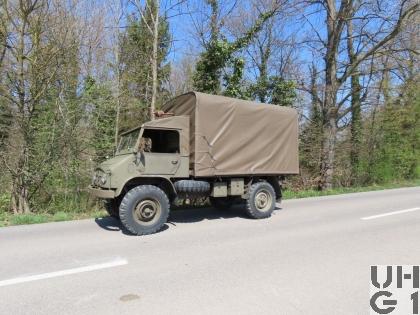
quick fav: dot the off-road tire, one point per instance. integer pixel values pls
(222, 203)
(192, 187)
(129, 209)
(257, 190)
(112, 207)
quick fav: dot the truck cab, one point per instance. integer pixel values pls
(158, 149)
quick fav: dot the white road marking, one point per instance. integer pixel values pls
(114, 263)
(390, 213)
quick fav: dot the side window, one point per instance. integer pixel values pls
(161, 141)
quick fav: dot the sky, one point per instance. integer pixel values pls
(184, 32)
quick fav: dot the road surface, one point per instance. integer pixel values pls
(312, 256)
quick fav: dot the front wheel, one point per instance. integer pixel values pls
(261, 201)
(144, 210)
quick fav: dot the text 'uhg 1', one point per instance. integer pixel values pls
(394, 289)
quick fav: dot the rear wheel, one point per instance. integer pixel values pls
(144, 209)
(261, 201)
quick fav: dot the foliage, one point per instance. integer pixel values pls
(398, 153)
(98, 100)
(136, 45)
(220, 53)
(283, 92)
(209, 67)
(4, 202)
(6, 119)
(306, 193)
(234, 85)
(276, 90)
(310, 144)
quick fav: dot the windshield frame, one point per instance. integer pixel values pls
(132, 138)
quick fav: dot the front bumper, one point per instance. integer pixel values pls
(101, 193)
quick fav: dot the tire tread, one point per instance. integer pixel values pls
(125, 211)
(250, 208)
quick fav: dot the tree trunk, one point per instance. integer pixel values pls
(262, 81)
(330, 98)
(20, 198)
(155, 61)
(20, 202)
(329, 135)
(356, 118)
(317, 121)
(355, 127)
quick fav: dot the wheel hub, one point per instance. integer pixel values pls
(263, 200)
(146, 210)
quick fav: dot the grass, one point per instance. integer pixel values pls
(290, 194)
(8, 219)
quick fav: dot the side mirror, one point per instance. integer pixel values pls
(139, 157)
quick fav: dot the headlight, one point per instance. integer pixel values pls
(99, 178)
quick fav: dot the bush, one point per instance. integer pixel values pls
(4, 202)
(28, 219)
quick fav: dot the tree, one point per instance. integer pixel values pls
(220, 52)
(336, 76)
(5, 115)
(275, 90)
(397, 154)
(234, 80)
(98, 100)
(31, 93)
(181, 79)
(271, 57)
(355, 105)
(147, 39)
(3, 34)
(311, 136)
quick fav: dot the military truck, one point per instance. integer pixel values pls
(200, 145)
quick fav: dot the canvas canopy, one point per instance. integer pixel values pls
(236, 137)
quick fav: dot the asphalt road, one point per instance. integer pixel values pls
(311, 257)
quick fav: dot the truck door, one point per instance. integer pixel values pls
(162, 151)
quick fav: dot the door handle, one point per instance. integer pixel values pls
(174, 161)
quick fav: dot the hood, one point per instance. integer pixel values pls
(115, 162)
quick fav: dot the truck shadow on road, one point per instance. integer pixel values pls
(200, 214)
(181, 216)
(114, 225)
(111, 224)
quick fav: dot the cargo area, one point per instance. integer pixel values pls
(231, 137)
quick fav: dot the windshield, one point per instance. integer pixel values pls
(128, 141)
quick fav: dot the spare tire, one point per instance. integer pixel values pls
(192, 187)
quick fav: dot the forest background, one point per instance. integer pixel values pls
(76, 73)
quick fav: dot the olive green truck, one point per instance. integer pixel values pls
(230, 150)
